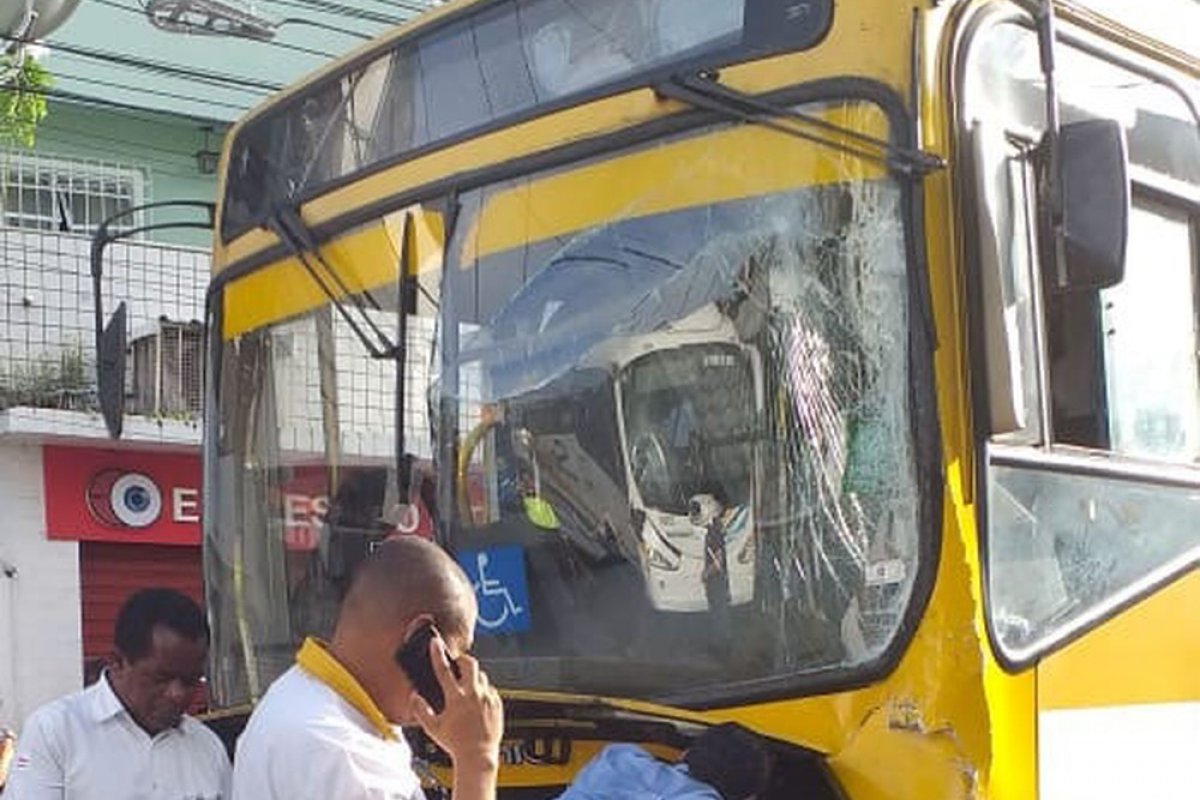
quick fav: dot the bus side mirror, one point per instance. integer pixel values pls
(110, 337)
(110, 368)
(1093, 186)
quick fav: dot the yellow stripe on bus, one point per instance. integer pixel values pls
(366, 258)
(684, 174)
(723, 166)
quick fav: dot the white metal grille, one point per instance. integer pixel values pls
(66, 195)
(167, 367)
(47, 355)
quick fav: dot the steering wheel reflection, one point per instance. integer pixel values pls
(651, 468)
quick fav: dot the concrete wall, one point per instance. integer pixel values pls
(40, 637)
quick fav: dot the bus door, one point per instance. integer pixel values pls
(1089, 403)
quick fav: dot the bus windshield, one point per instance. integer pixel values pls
(657, 404)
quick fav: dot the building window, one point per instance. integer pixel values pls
(67, 195)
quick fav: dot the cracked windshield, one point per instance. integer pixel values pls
(646, 400)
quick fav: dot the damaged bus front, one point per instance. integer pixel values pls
(696, 330)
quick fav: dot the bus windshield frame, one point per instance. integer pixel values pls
(925, 440)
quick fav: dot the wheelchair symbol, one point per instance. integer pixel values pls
(490, 587)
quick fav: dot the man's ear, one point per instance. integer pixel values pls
(118, 662)
(415, 624)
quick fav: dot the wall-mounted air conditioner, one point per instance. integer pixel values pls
(167, 362)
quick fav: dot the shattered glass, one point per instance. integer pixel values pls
(676, 380)
(1061, 545)
(742, 369)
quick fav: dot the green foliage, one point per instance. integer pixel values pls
(49, 382)
(22, 99)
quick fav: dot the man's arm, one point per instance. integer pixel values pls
(470, 726)
(37, 768)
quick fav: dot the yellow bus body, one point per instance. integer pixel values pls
(950, 721)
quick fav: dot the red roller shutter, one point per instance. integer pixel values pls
(109, 573)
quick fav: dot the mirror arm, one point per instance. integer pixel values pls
(1050, 189)
(1047, 34)
(97, 265)
(110, 370)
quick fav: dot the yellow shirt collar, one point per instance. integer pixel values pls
(315, 659)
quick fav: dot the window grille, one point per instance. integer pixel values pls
(66, 195)
(167, 367)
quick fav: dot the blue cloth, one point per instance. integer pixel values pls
(627, 771)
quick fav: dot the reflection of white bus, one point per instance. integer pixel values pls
(683, 402)
(690, 397)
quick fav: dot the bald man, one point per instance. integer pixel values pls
(328, 728)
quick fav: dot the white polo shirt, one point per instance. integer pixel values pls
(86, 746)
(321, 738)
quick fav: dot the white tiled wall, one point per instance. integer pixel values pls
(46, 296)
(40, 640)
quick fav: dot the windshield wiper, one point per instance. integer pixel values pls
(704, 91)
(286, 223)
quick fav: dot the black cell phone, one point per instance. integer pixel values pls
(413, 658)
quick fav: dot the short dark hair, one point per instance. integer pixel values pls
(730, 759)
(148, 608)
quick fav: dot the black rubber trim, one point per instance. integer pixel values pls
(925, 427)
(981, 20)
(214, 318)
(641, 80)
(1161, 194)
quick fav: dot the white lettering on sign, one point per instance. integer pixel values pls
(136, 500)
(295, 510)
(185, 504)
(409, 519)
(320, 507)
(302, 509)
(303, 516)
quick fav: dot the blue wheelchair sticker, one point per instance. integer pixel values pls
(498, 575)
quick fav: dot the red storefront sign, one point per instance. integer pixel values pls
(304, 507)
(306, 504)
(121, 496)
(154, 498)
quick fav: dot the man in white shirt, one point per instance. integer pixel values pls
(126, 737)
(328, 727)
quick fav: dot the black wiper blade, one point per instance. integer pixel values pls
(286, 223)
(705, 92)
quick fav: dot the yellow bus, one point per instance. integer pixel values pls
(937, 449)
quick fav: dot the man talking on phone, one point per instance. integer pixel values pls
(328, 727)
